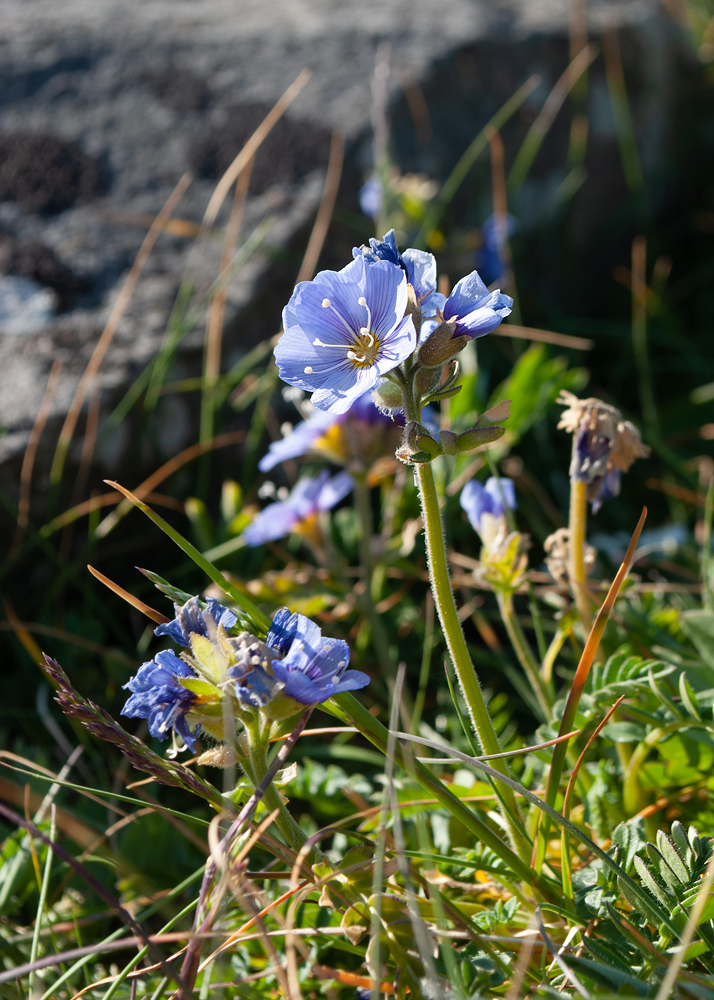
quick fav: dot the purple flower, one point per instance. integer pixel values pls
(418, 265)
(159, 696)
(312, 668)
(474, 310)
(308, 498)
(343, 330)
(477, 499)
(190, 619)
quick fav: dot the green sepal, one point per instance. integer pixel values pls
(427, 443)
(205, 691)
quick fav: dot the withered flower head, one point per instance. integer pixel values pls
(605, 445)
(557, 548)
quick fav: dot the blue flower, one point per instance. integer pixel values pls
(300, 440)
(371, 196)
(324, 434)
(308, 498)
(159, 696)
(312, 669)
(190, 619)
(490, 257)
(343, 330)
(478, 499)
(474, 310)
(418, 265)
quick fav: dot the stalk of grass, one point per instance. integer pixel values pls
(617, 90)
(102, 345)
(579, 681)
(541, 126)
(255, 616)
(470, 156)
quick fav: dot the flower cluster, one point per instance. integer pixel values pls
(292, 667)
(604, 445)
(347, 330)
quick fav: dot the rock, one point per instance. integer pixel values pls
(107, 105)
(25, 307)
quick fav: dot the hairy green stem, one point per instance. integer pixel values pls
(455, 641)
(523, 652)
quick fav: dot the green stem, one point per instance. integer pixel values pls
(346, 707)
(257, 738)
(455, 641)
(576, 567)
(523, 652)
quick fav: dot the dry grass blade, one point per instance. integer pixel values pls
(251, 148)
(28, 461)
(64, 636)
(213, 345)
(104, 500)
(151, 613)
(96, 886)
(324, 212)
(110, 329)
(544, 336)
(167, 469)
(21, 633)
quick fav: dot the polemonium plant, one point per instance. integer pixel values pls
(358, 328)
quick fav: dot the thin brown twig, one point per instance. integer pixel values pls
(251, 148)
(216, 314)
(324, 212)
(102, 345)
(166, 470)
(28, 461)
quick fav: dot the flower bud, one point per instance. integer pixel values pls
(440, 346)
(387, 395)
(418, 445)
(449, 442)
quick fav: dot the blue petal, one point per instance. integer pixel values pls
(275, 521)
(288, 626)
(500, 489)
(298, 441)
(334, 490)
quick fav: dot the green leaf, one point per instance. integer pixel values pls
(652, 884)
(254, 617)
(698, 625)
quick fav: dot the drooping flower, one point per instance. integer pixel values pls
(338, 437)
(159, 696)
(473, 310)
(491, 255)
(418, 265)
(605, 445)
(308, 498)
(190, 620)
(486, 501)
(343, 330)
(312, 668)
(503, 563)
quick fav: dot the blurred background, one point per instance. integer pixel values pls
(140, 351)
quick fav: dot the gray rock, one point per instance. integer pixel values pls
(132, 93)
(25, 306)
